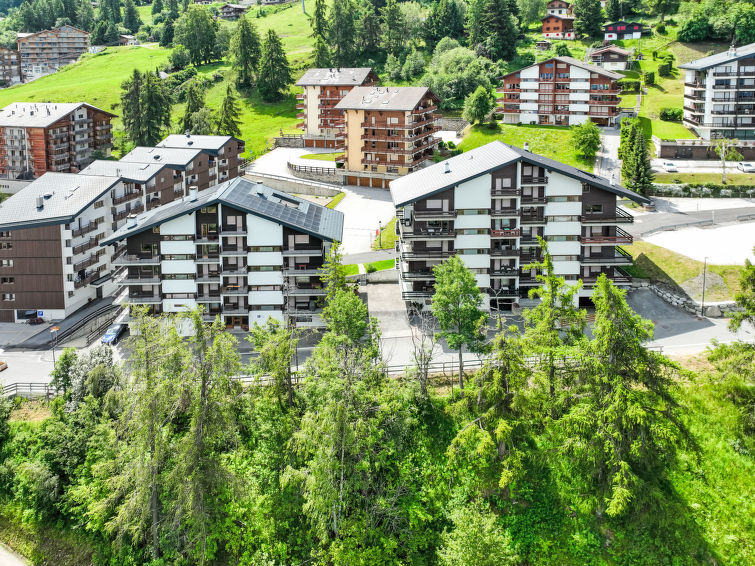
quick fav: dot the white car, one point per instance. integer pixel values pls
(746, 167)
(669, 167)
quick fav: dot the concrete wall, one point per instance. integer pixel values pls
(296, 186)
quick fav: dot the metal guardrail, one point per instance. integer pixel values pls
(293, 180)
(745, 217)
(673, 227)
(312, 169)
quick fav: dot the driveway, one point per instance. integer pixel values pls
(9, 558)
(607, 158)
(364, 209)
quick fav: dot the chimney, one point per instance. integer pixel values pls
(526, 146)
(612, 181)
(131, 221)
(40, 202)
(448, 168)
(193, 193)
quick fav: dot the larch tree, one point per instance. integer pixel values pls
(393, 27)
(342, 32)
(228, 116)
(444, 20)
(588, 18)
(246, 50)
(274, 77)
(623, 431)
(456, 304)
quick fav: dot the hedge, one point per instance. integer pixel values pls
(629, 85)
(671, 114)
(703, 191)
(664, 69)
(650, 78)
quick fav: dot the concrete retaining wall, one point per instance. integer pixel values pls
(289, 142)
(296, 186)
(335, 179)
(454, 124)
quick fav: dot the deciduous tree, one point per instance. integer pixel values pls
(478, 105)
(586, 139)
(196, 30)
(726, 149)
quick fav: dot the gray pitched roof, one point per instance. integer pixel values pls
(577, 63)
(211, 144)
(384, 98)
(614, 48)
(175, 157)
(255, 198)
(720, 58)
(354, 76)
(133, 172)
(64, 196)
(39, 114)
(482, 160)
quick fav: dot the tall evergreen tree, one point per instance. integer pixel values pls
(613, 10)
(342, 32)
(173, 9)
(319, 21)
(131, 105)
(588, 18)
(639, 172)
(393, 27)
(444, 20)
(69, 10)
(85, 15)
(157, 6)
(155, 102)
(245, 52)
(228, 116)
(368, 30)
(112, 37)
(131, 20)
(500, 29)
(194, 103)
(476, 22)
(166, 39)
(275, 73)
(322, 53)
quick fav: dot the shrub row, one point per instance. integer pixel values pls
(671, 114)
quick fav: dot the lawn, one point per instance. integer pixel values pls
(381, 265)
(351, 269)
(706, 178)
(387, 238)
(550, 141)
(322, 156)
(336, 199)
(4, 196)
(660, 264)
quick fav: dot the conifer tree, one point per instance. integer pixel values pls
(613, 10)
(130, 105)
(85, 15)
(166, 40)
(342, 32)
(588, 18)
(444, 20)
(640, 173)
(393, 28)
(500, 29)
(173, 9)
(275, 73)
(245, 52)
(131, 20)
(194, 103)
(476, 22)
(157, 6)
(319, 20)
(155, 104)
(368, 29)
(228, 117)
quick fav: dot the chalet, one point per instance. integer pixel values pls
(232, 11)
(543, 45)
(623, 30)
(558, 27)
(128, 40)
(611, 58)
(558, 8)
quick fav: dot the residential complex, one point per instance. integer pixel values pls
(490, 204)
(50, 258)
(242, 251)
(560, 91)
(232, 11)
(10, 67)
(388, 132)
(46, 51)
(37, 137)
(719, 94)
(323, 90)
(223, 153)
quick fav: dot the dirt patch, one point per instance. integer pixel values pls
(30, 411)
(694, 362)
(714, 284)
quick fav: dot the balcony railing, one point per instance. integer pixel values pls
(504, 212)
(504, 251)
(621, 237)
(302, 252)
(434, 213)
(88, 278)
(81, 248)
(532, 219)
(91, 260)
(144, 298)
(134, 259)
(502, 292)
(513, 233)
(619, 217)
(534, 200)
(151, 279)
(428, 233)
(426, 254)
(86, 229)
(125, 213)
(421, 275)
(506, 192)
(532, 180)
(620, 256)
(508, 271)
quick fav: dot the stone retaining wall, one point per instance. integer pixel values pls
(673, 297)
(289, 142)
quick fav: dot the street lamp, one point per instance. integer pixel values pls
(702, 301)
(380, 234)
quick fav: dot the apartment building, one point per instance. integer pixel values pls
(10, 67)
(51, 263)
(561, 91)
(323, 90)
(719, 94)
(388, 132)
(37, 137)
(488, 205)
(223, 152)
(46, 51)
(243, 251)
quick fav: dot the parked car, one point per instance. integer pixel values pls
(113, 334)
(35, 320)
(669, 167)
(3, 365)
(746, 167)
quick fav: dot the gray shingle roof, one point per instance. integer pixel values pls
(175, 157)
(720, 58)
(384, 98)
(577, 63)
(67, 195)
(133, 172)
(39, 114)
(255, 198)
(354, 76)
(211, 144)
(479, 161)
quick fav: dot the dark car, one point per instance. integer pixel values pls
(113, 334)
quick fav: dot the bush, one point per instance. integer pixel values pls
(414, 65)
(393, 67)
(451, 145)
(660, 28)
(629, 85)
(664, 69)
(370, 268)
(655, 54)
(179, 58)
(671, 114)
(650, 78)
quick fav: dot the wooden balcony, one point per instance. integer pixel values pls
(621, 237)
(505, 233)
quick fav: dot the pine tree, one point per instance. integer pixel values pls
(368, 30)
(393, 27)
(500, 29)
(194, 103)
(275, 73)
(166, 39)
(588, 18)
(245, 52)
(640, 173)
(613, 10)
(319, 20)
(85, 15)
(342, 32)
(157, 6)
(131, 20)
(228, 117)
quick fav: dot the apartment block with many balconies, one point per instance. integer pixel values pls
(242, 251)
(388, 132)
(323, 90)
(37, 137)
(719, 94)
(490, 204)
(10, 67)
(223, 153)
(50, 258)
(561, 91)
(45, 51)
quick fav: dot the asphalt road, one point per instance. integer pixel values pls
(650, 222)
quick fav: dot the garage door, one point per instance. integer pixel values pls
(6, 316)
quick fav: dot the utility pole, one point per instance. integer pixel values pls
(702, 301)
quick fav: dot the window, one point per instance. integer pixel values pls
(472, 231)
(6, 245)
(471, 211)
(177, 238)
(594, 209)
(565, 258)
(265, 287)
(264, 268)
(178, 256)
(264, 248)
(178, 276)
(9, 297)
(502, 183)
(4, 234)
(563, 218)
(6, 263)
(7, 280)
(99, 204)
(564, 199)
(561, 238)
(208, 210)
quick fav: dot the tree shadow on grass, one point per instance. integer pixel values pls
(646, 268)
